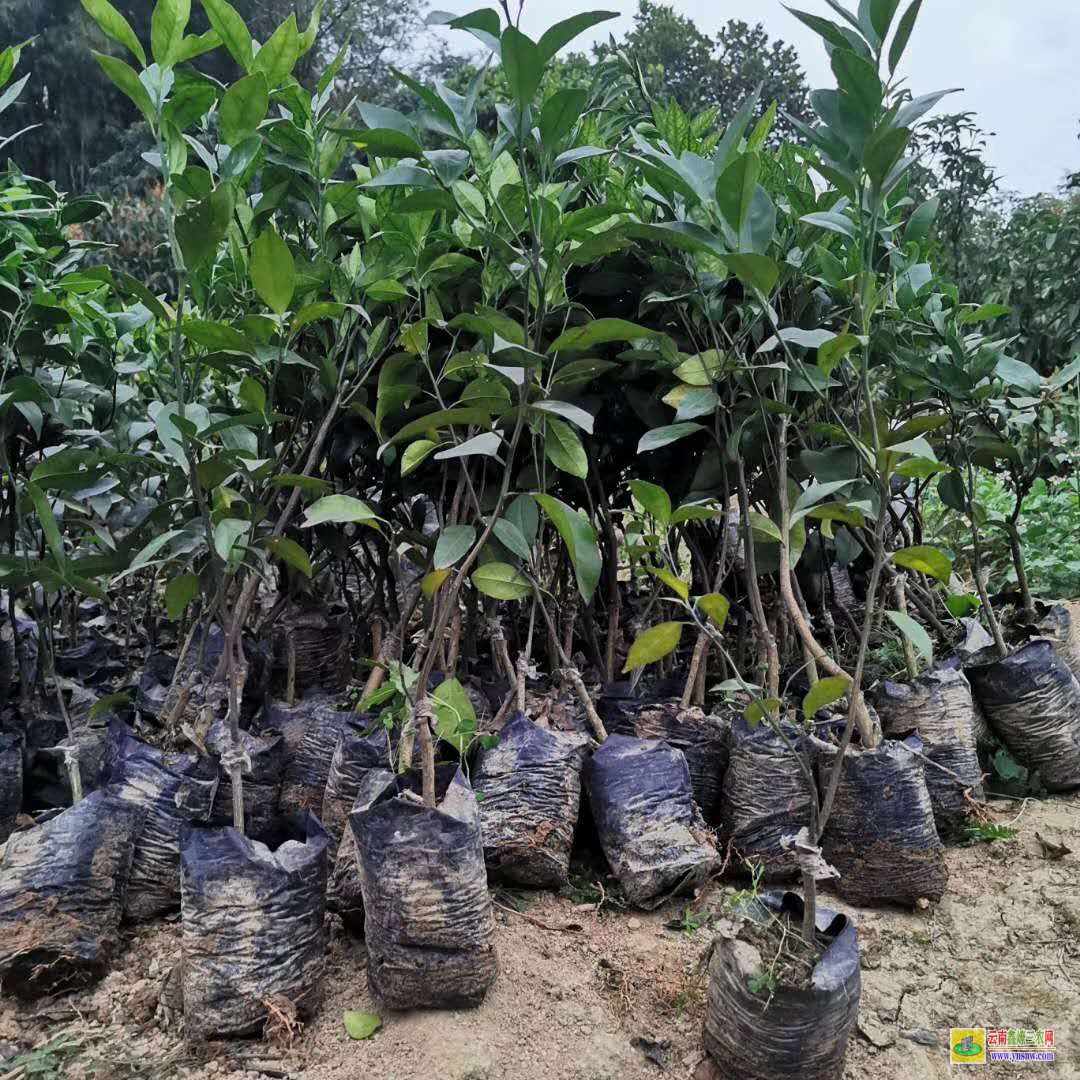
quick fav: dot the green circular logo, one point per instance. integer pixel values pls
(972, 1049)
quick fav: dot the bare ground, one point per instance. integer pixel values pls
(585, 994)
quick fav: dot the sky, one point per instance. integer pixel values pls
(1017, 63)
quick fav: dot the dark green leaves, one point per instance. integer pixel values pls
(124, 77)
(243, 108)
(601, 331)
(272, 271)
(232, 30)
(201, 227)
(113, 25)
(903, 34)
(167, 26)
(523, 65)
(562, 33)
(580, 539)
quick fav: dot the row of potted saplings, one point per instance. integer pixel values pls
(413, 879)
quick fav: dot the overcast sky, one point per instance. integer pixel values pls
(1018, 62)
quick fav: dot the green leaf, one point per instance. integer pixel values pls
(663, 436)
(915, 633)
(654, 499)
(113, 25)
(291, 552)
(433, 582)
(759, 712)
(273, 272)
(124, 78)
(758, 271)
(167, 26)
(881, 16)
(523, 513)
(523, 65)
(560, 113)
(716, 607)
(278, 56)
(675, 584)
(919, 224)
(562, 33)
(455, 718)
(1017, 373)
(654, 644)
(243, 108)
(600, 332)
(415, 454)
(580, 539)
(180, 592)
(926, 560)
(226, 534)
(49, 526)
(202, 227)
(234, 34)
(759, 523)
(453, 544)
(984, 313)
(511, 537)
(339, 509)
(903, 35)
(220, 337)
(833, 351)
(501, 581)
(361, 1025)
(823, 693)
(735, 190)
(564, 449)
(962, 605)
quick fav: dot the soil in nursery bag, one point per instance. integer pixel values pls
(529, 789)
(650, 828)
(1032, 701)
(363, 744)
(62, 890)
(47, 782)
(938, 707)
(174, 790)
(261, 785)
(701, 738)
(311, 728)
(776, 1008)
(252, 919)
(11, 782)
(881, 835)
(153, 686)
(314, 643)
(766, 797)
(427, 913)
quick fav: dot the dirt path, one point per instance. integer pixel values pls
(1002, 949)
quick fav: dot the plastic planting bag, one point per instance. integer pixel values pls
(313, 644)
(701, 738)
(427, 913)
(938, 707)
(364, 744)
(261, 785)
(1060, 625)
(766, 798)
(650, 828)
(1032, 701)
(345, 892)
(174, 790)
(786, 1032)
(252, 925)
(11, 782)
(529, 789)
(311, 728)
(62, 891)
(881, 835)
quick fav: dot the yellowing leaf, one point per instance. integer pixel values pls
(654, 645)
(825, 692)
(361, 1025)
(716, 607)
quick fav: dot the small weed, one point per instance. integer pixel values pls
(989, 833)
(762, 982)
